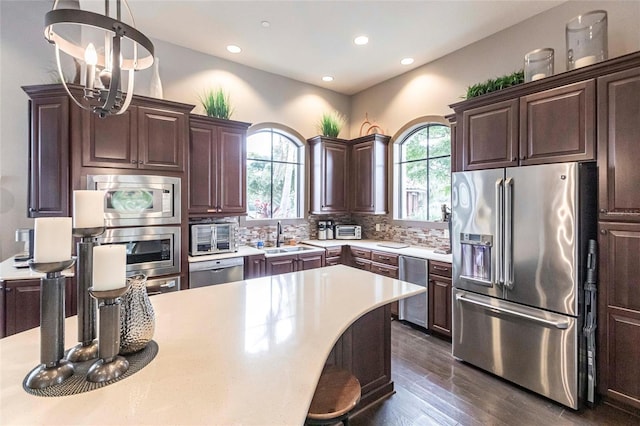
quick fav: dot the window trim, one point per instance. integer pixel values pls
(303, 175)
(394, 178)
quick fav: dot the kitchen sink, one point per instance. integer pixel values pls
(295, 249)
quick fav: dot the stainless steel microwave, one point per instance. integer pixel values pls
(138, 200)
(211, 238)
(348, 232)
(151, 250)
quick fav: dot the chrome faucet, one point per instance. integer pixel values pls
(278, 233)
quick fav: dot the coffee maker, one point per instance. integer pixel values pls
(24, 236)
(330, 228)
(322, 229)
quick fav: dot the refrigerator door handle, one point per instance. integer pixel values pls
(508, 233)
(499, 257)
(501, 310)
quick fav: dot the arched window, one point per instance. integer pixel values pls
(275, 175)
(423, 172)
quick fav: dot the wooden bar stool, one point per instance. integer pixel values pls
(338, 391)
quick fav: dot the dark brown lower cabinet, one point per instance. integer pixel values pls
(295, 262)
(439, 312)
(254, 266)
(619, 313)
(365, 350)
(20, 304)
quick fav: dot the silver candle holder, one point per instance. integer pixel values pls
(109, 365)
(87, 348)
(53, 368)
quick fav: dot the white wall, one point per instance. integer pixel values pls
(429, 89)
(25, 59)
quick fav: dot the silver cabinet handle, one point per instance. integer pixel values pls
(557, 324)
(508, 233)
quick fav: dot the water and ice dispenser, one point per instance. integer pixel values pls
(476, 258)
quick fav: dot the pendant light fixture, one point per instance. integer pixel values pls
(69, 28)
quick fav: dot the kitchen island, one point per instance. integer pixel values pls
(249, 352)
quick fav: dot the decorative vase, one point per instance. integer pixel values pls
(137, 319)
(155, 87)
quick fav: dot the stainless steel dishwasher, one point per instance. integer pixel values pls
(210, 272)
(414, 308)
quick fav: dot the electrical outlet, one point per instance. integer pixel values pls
(378, 227)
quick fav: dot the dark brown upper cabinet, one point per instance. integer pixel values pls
(558, 125)
(490, 136)
(369, 163)
(619, 145)
(329, 178)
(217, 166)
(349, 176)
(49, 174)
(143, 137)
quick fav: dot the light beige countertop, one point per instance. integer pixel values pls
(9, 273)
(242, 251)
(414, 251)
(248, 352)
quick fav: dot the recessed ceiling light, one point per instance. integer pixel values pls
(407, 61)
(327, 78)
(265, 24)
(361, 40)
(233, 48)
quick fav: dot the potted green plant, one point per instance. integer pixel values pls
(216, 104)
(495, 84)
(330, 124)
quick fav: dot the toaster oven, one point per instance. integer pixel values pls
(212, 238)
(348, 232)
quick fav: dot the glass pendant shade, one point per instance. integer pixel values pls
(106, 47)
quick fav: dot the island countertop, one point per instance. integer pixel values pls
(249, 352)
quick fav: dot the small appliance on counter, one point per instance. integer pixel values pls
(348, 232)
(322, 229)
(24, 236)
(330, 229)
(212, 238)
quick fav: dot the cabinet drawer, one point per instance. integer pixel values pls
(360, 252)
(440, 268)
(383, 257)
(386, 270)
(362, 264)
(331, 261)
(334, 251)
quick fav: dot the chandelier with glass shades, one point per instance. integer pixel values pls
(103, 49)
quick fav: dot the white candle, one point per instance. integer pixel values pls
(52, 239)
(109, 267)
(587, 60)
(538, 76)
(88, 209)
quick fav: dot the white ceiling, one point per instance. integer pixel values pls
(309, 39)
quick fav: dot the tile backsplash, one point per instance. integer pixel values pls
(416, 236)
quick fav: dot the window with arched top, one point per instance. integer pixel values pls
(275, 175)
(423, 172)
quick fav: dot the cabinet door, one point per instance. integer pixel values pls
(310, 261)
(49, 157)
(619, 145)
(329, 177)
(490, 136)
(439, 315)
(619, 312)
(232, 164)
(161, 139)
(558, 125)
(254, 266)
(363, 165)
(281, 264)
(110, 141)
(203, 164)
(22, 304)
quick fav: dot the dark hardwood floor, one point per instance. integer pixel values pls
(434, 389)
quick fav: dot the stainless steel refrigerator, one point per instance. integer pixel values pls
(519, 245)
